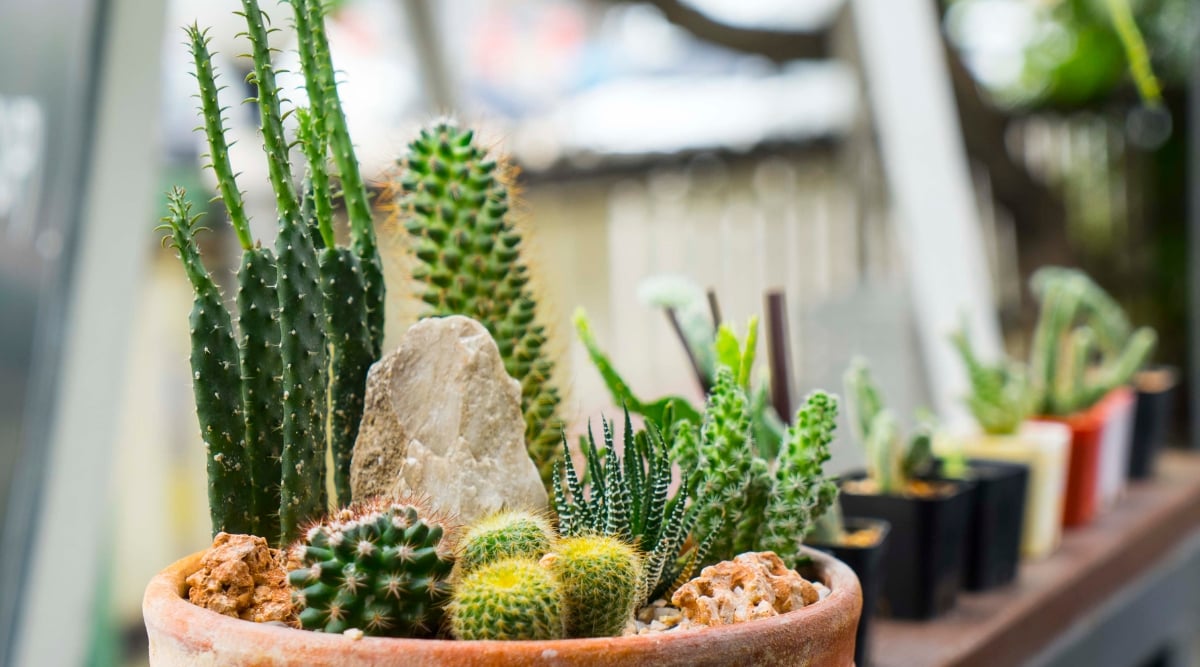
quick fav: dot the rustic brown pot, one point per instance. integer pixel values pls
(820, 635)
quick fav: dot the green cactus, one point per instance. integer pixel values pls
(801, 492)
(725, 455)
(380, 567)
(511, 599)
(892, 460)
(628, 497)
(1083, 346)
(1001, 395)
(302, 313)
(456, 204)
(217, 385)
(506, 534)
(600, 577)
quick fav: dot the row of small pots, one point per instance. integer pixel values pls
(1021, 491)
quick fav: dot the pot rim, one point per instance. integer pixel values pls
(166, 611)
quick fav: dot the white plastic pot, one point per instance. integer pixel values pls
(1042, 446)
(1116, 439)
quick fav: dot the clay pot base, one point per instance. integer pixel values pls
(820, 634)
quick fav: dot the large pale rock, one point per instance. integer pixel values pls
(443, 420)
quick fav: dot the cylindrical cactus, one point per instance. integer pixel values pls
(600, 578)
(510, 599)
(455, 202)
(506, 534)
(380, 567)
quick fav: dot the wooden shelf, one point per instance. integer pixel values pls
(1011, 625)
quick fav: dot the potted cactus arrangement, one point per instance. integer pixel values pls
(1083, 356)
(430, 537)
(928, 514)
(1002, 400)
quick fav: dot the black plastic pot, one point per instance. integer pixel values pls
(867, 563)
(1152, 417)
(993, 547)
(924, 565)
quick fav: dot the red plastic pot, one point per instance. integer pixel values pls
(1081, 499)
(821, 634)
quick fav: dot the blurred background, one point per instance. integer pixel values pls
(744, 144)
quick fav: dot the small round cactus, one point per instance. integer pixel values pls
(380, 567)
(600, 578)
(506, 534)
(514, 598)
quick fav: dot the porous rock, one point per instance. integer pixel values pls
(752, 585)
(443, 420)
(243, 577)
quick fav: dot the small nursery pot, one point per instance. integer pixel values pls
(183, 634)
(1042, 446)
(923, 568)
(994, 531)
(1116, 440)
(1081, 500)
(867, 563)
(1155, 388)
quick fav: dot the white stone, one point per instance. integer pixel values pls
(443, 420)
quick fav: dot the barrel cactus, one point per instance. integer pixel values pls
(513, 598)
(600, 579)
(379, 567)
(506, 534)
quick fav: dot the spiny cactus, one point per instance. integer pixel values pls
(217, 379)
(455, 201)
(600, 577)
(506, 534)
(381, 567)
(892, 460)
(306, 309)
(511, 599)
(628, 497)
(1001, 396)
(1083, 346)
(801, 492)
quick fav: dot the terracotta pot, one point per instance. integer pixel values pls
(1044, 447)
(821, 635)
(1088, 428)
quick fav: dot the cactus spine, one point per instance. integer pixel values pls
(599, 576)
(455, 201)
(506, 534)
(295, 306)
(380, 567)
(510, 599)
(217, 386)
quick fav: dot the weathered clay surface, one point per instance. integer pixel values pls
(241, 576)
(751, 586)
(819, 635)
(443, 420)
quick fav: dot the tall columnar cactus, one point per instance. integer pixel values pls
(510, 599)
(306, 309)
(1001, 396)
(892, 460)
(600, 577)
(1083, 346)
(506, 534)
(380, 567)
(217, 385)
(455, 200)
(628, 497)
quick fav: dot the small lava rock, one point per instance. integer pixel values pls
(243, 577)
(752, 585)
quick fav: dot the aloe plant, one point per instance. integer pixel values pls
(892, 459)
